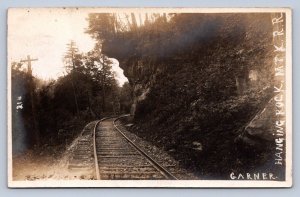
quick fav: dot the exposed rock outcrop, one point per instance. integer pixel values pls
(192, 89)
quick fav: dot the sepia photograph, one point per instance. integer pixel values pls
(149, 97)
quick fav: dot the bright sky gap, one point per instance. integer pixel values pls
(45, 35)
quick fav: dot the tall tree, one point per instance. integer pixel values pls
(25, 130)
(72, 52)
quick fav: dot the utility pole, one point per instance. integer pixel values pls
(28, 61)
(31, 90)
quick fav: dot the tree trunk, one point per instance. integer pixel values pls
(134, 23)
(75, 95)
(103, 84)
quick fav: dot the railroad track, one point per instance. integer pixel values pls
(81, 162)
(117, 157)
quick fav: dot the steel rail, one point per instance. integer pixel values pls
(97, 171)
(160, 168)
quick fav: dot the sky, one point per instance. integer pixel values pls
(44, 34)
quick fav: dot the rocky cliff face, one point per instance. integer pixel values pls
(141, 74)
(192, 85)
(142, 77)
(217, 45)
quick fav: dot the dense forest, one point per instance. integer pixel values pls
(198, 80)
(52, 113)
